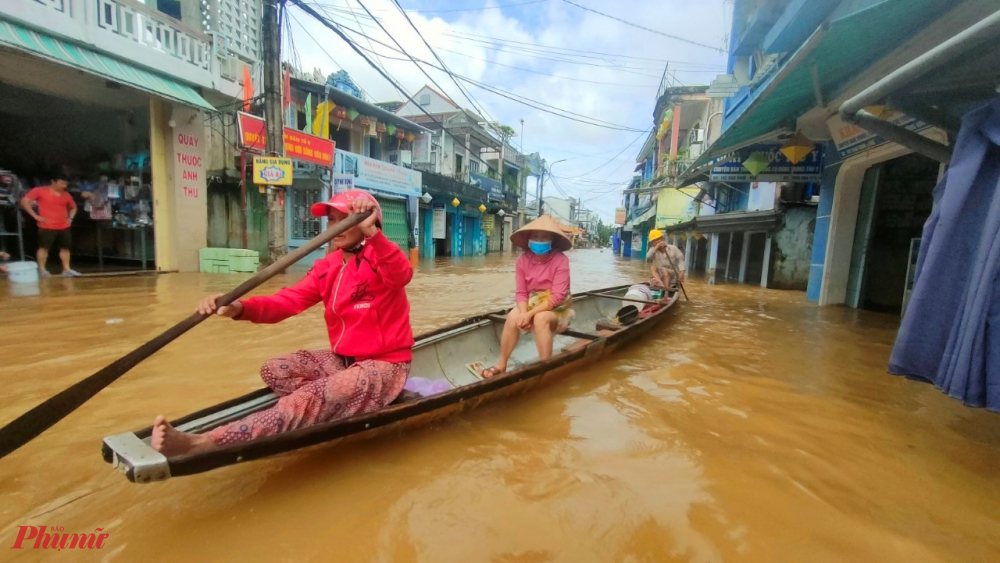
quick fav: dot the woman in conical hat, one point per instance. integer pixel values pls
(544, 304)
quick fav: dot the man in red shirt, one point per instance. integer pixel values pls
(56, 210)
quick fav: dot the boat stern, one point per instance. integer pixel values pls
(135, 459)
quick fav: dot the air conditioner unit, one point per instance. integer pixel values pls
(400, 157)
(695, 150)
(231, 68)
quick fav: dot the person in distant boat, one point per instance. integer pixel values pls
(667, 261)
(361, 285)
(544, 303)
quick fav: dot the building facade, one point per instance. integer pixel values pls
(119, 96)
(849, 204)
(465, 162)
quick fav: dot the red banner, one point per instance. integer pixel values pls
(251, 130)
(308, 147)
(298, 145)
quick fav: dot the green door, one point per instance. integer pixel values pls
(394, 223)
(862, 236)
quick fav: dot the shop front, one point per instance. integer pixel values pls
(395, 187)
(877, 200)
(455, 216)
(496, 230)
(130, 146)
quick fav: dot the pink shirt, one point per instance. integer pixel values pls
(541, 273)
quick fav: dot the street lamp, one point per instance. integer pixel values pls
(522, 136)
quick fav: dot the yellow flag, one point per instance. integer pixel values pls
(321, 123)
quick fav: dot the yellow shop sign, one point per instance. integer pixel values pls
(272, 170)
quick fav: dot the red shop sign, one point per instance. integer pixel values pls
(298, 145)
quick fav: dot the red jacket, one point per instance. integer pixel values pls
(366, 310)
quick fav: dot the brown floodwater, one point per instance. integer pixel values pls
(752, 426)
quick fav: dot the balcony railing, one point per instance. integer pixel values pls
(672, 169)
(154, 30)
(62, 6)
(446, 184)
(464, 191)
(129, 30)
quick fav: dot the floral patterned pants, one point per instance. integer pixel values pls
(316, 386)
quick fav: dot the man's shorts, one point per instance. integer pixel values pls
(47, 238)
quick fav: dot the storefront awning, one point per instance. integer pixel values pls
(738, 221)
(834, 56)
(23, 39)
(647, 215)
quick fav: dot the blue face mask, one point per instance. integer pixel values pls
(539, 247)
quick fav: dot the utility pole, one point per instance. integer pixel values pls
(277, 242)
(541, 187)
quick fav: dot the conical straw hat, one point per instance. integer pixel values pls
(544, 223)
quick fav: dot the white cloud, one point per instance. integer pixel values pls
(625, 99)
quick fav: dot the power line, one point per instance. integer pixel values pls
(588, 181)
(500, 7)
(325, 52)
(637, 26)
(522, 51)
(469, 9)
(567, 61)
(552, 75)
(612, 159)
(354, 46)
(353, 13)
(541, 106)
(466, 93)
(559, 57)
(539, 46)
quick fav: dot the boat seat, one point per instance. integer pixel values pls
(606, 325)
(568, 332)
(581, 344)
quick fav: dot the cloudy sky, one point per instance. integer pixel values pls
(546, 51)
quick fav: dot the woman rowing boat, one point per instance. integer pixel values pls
(361, 285)
(544, 303)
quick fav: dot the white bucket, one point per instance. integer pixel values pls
(23, 272)
(639, 291)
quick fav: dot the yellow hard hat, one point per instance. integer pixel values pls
(655, 234)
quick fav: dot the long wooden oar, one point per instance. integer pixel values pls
(678, 274)
(32, 423)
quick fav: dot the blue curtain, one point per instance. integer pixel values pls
(950, 335)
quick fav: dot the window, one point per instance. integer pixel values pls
(474, 166)
(425, 99)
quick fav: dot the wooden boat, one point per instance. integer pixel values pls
(439, 355)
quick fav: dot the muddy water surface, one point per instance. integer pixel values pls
(751, 427)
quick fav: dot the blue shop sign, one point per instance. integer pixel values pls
(493, 188)
(780, 169)
(377, 176)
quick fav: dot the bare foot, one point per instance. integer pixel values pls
(172, 442)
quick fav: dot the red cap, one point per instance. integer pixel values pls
(342, 202)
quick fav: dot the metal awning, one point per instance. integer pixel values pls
(822, 67)
(646, 215)
(972, 39)
(738, 221)
(82, 58)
